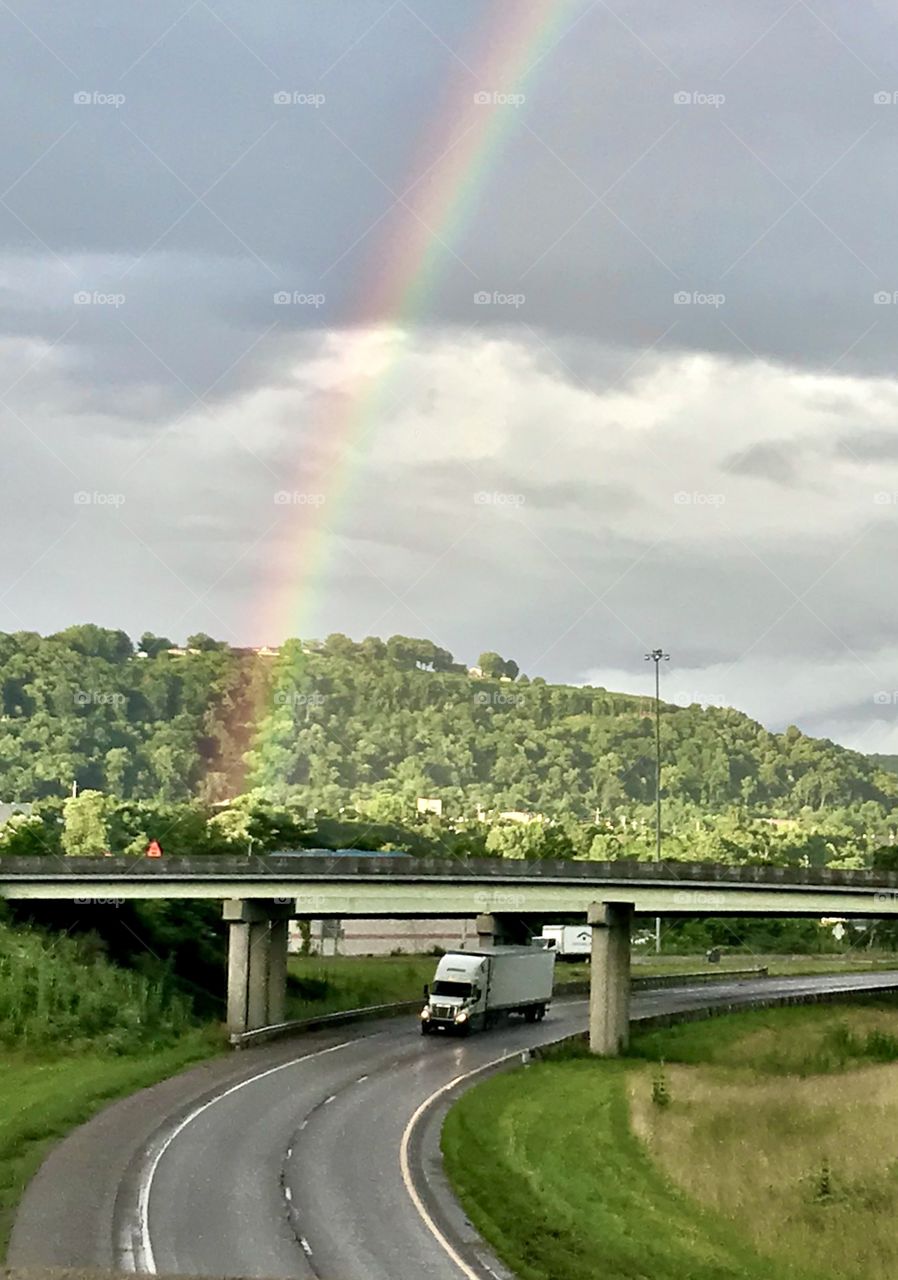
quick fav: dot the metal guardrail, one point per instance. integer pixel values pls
(245, 1039)
(659, 981)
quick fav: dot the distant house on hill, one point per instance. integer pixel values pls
(257, 651)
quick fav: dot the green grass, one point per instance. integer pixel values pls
(649, 965)
(549, 1171)
(760, 1144)
(42, 1098)
(805, 1040)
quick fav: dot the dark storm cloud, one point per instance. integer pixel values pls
(606, 202)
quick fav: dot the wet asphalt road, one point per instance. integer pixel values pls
(285, 1161)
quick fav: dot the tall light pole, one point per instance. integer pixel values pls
(657, 656)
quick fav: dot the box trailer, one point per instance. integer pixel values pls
(475, 989)
(568, 941)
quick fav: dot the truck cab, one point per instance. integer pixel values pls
(457, 995)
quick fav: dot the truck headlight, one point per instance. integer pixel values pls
(461, 1017)
(425, 1012)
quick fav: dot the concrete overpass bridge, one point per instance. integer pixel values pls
(261, 894)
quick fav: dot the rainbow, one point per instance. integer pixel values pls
(451, 167)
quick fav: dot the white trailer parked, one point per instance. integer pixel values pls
(475, 989)
(568, 941)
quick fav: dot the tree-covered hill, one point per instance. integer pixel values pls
(374, 726)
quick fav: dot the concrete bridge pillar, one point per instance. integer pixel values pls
(257, 963)
(609, 989)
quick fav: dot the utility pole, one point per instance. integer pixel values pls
(657, 656)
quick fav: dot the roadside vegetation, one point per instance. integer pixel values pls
(77, 1031)
(755, 1145)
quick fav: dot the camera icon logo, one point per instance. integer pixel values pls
(282, 99)
(682, 98)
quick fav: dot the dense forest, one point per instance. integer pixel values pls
(362, 731)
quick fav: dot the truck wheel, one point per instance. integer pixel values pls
(541, 1012)
(425, 1029)
(531, 1014)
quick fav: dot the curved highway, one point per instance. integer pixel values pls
(297, 1160)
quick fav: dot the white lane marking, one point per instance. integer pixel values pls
(360, 1079)
(143, 1199)
(328, 1101)
(307, 1248)
(406, 1173)
(288, 1193)
(289, 1152)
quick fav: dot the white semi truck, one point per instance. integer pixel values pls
(568, 941)
(475, 989)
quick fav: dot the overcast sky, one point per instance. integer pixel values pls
(675, 421)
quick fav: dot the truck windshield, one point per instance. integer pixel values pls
(444, 988)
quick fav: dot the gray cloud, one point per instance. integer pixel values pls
(684, 298)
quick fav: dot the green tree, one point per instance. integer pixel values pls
(86, 824)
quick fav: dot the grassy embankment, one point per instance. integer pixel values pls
(764, 1147)
(76, 1032)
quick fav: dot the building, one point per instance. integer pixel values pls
(384, 937)
(430, 806)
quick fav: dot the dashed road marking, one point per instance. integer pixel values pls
(148, 1260)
